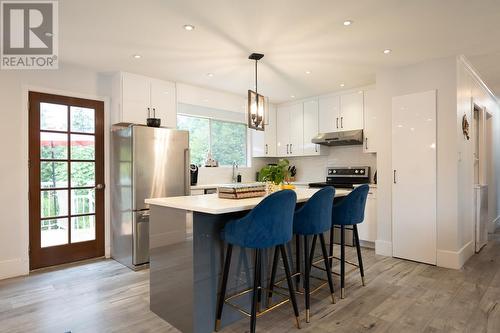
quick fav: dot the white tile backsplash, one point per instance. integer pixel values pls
(313, 168)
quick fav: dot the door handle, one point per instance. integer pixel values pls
(395, 180)
(100, 187)
(341, 122)
(337, 122)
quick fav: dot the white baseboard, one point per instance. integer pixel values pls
(13, 267)
(383, 248)
(494, 225)
(455, 259)
(107, 252)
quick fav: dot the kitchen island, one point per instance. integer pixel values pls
(186, 256)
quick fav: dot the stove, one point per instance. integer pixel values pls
(344, 177)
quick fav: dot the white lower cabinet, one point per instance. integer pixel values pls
(368, 229)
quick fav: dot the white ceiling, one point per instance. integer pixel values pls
(295, 35)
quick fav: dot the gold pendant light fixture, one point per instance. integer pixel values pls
(256, 103)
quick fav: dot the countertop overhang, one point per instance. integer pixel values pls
(212, 204)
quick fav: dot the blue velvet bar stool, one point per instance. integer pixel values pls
(268, 225)
(314, 218)
(349, 212)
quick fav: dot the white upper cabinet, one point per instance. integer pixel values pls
(296, 133)
(371, 130)
(329, 114)
(264, 142)
(311, 126)
(341, 112)
(290, 130)
(135, 98)
(163, 102)
(351, 111)
(138, 97)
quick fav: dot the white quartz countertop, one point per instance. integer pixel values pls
(212, 204)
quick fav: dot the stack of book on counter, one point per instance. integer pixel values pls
(242, 191)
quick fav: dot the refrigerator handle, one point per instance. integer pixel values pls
(187, 173)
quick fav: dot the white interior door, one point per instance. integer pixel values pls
(414, 177)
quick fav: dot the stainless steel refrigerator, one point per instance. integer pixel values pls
(146, 163)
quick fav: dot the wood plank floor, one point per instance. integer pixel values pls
(400, 296)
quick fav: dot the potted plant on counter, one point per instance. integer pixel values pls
(275, 176)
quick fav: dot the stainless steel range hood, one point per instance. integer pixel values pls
(343, 138)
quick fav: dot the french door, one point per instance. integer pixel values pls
(66, 179)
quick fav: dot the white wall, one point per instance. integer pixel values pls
(68, 80)
(471, 90)
(455, 86)
(440, 75)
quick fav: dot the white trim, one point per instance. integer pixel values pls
(14, 267)
(331, 94)
(455, 259)
(468, 66)
(383, 248)
(107, 177)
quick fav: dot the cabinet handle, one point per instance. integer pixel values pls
(287, 148)
(341, 122)
(395, 180)
(149, 112)
(316, 148)
(266, 149)
(291, 148)
(366, 143)
(154, 112)
(337, 122)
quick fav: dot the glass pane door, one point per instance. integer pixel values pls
(66, 158)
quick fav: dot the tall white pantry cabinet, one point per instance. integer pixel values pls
(414, 178)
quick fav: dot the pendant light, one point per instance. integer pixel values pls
(256, 103)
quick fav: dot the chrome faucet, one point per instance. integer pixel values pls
(235, 172)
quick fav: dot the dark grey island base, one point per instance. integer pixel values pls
(185, 275)
(186, 256)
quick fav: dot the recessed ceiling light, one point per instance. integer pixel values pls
(188, 27)
(347, 22)
(387, 51)
(308, 72)
(342, 85)
(292, 96)
(210, 74)
(137, 56)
